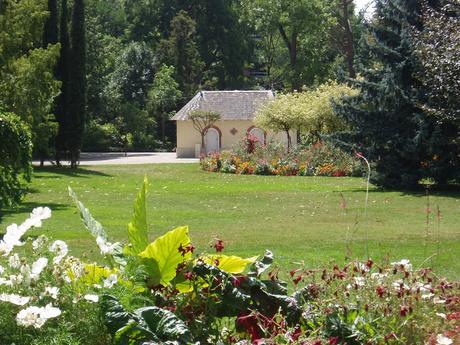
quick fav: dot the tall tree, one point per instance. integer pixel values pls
(77, 101)
(438, 47)
(50, 31)
(63, 74)
(303, 27)
(27, 84)
(163, 97)
(180, 50)
(387, 121)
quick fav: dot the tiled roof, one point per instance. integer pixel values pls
(231, 105)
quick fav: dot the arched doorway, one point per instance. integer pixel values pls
(212, 140)
(259, 134)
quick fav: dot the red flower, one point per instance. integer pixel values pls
(294, 271)
(219, 245)
(390, 336)
(249, 323)
(380, 291)
(333, 340)
(188, 275)
(403, 311)
(189, 248)
(369, 263)
(297, 279)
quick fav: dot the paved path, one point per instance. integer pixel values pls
(93, 158)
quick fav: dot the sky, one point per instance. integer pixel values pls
(360, 4)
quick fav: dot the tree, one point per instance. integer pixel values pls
(310, 112)
(387, 123)
(438, 48)
(77, 103)
(50, 31)
(132, 77)
(304, 27)
(280, 114)
(316, 108)
(180, 50)
(15, 158)
(63, 74)
(163, 96)
(27, 83)
(202, 121)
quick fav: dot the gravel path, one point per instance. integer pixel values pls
(95, 158)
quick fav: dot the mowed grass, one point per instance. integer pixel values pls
(299, 218)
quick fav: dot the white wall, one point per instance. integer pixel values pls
(188, 137)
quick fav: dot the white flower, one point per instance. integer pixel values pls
(442, 340)
(26, 276)
(49, 312)
(36, 316)
(5, 282)
(16, 279)
(41, 213)
(106, 248)
(5, 248)
(442, 315)
(14, 261)
(39, 242)
(2, 270)
(59, 248)
(360, 281)
(403, 264)
(438, 300)
(52, 292)
(378, 276)
(30, 317)
(13, 234)
(14, 299)
(91, 298)
(110, 281)
(427, 295)
(37, 267)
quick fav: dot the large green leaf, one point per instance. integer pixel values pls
(261, 266)
(137, 228)
(94, 227)
(162, 256)
(230, 264)
(164, 324)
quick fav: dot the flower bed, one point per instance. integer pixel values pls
(249, 157)
(162, 292)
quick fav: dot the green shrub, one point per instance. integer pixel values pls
(15, 158)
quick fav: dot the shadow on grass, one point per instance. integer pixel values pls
(66, 171)
(27, 207)
(450, 191)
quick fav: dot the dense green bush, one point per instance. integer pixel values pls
(15, 158)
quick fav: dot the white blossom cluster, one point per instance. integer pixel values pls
(24, 276)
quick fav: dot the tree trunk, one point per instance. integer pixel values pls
(163, 129)
(349, 52)
(291, 45)
(289, 140)
(203, 148)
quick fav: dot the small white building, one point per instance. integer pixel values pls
(237, 110)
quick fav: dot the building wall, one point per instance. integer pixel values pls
(188, 137)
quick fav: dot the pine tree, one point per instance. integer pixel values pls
(387, 123)
(50, 32)
(77, 103)
(63, 75)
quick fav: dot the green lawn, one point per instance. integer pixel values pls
(298, 218)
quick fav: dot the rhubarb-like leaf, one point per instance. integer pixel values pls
(137, 228)
(163, 255)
